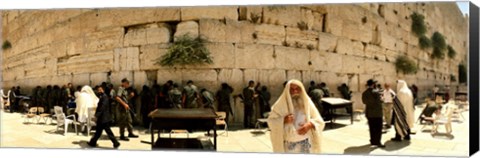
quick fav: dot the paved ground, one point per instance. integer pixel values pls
(343, 138)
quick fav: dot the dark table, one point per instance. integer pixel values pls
(461, 96)
(189, 119)
(336, 103)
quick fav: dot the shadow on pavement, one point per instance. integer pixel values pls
(394, 146)
(83, 144)
(445, 136)
(359, 150)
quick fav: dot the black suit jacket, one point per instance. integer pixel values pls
(103, 112)
(371, 98)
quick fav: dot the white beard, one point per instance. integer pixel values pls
(297, 102)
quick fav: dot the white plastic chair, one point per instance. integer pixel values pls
(221, 120)
(261, 121)
(64, 121)
(43, 116)
(31, 114)
(90, 120)
(444, 120)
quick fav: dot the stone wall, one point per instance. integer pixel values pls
(335, 44)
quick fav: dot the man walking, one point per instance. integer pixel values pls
(373, 112)
(104, 119)
(124, 118)
(387, 96)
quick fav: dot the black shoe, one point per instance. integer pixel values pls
(407, 138)
(396, 139)
(91, 144)
(116, 145)
(381, 146)
(132, 136)
(124, 138)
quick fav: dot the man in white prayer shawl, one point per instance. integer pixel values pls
(295, 123)
(86, 99)
(405, 97)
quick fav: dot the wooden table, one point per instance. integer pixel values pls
(189, 119)
(336, 103)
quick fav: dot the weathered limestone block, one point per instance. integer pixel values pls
(363, 78)
(374, 67)
(358, 48)
(318, 60)
(61, 79)
(254, 56)
(163, 75)
(391, 56)
(139, 79)
(126, 59)
(353, 82)
(51, 65)
(334, 62)
(333, 25)
(352, 64)
(327, 42)
(158, 33)
(187, 27)
(60, 48)
(413, 51)
(387, 41)
(317, 21)
(250, 75)
(149, 54)
(86, 63)
(301, 39)
(291, 58)
(274, 80)
(269, 34)
(98, 78)
(344, 46)
(373, 51)
(76, 46)
(390, 14)
(135, 37)
(282, 15)
(294, 74)
(104, 40)
(210, 12)
(212, 30)
(117, 76)
(239, 31)
(357, 101)
(357, 31)
(201, 78)
(81, 79)
(223, 55)
(134, 16)
(42, 72)
(308, 18)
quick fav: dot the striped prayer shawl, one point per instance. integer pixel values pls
(401, 125)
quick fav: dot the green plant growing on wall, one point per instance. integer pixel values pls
(418, 24)
(439, 45)
(424, 42)
(6, 45)
(451, 52)
(186, 51)
(254, 17)
(405, 65)
(453, 78)
(302, 25)
(462, 73)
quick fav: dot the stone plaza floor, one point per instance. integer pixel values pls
(343, 138)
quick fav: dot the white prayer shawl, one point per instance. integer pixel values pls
(405, 96)
(2, 101)
(283, 107)
(85, 99)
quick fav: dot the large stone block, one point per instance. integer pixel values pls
(149, 54)
(98, 78)
(239, 31)
(250, 75)
(344, 46)
(117, 76)
(104, 40)
(254, 56)
(352, 64)
(139, 79)
(250, 13)
(387, 41)
(357, 31)
(294, 74)
(269, 34)
(81, 79)
(86, 63)
(327, 42)
(126, 59)
(291, 58)
(210, 12)
(318, 60)
(212, 30)
(201, 77)
(373, 67)
(282, 15)
(318, 21)
(358, 48)
(169, 74)
(333, 25)
(223, 55)
(374, 51)
(159, 33)
(187, 27)
(135, 16)
(135, 37)
(301, 38)
(274, 80)
(334, 62)
(233, 77)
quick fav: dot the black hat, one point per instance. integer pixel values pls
(371, 82)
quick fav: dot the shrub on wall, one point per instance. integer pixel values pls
(6, 45)
(186, 51)
(405, 65)
(424, 42)
(451, 52)
(418, 24)
(439, 45)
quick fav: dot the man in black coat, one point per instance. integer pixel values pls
(371, 98)
(104, 119)
(249, 97)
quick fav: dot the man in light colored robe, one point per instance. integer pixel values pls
(405, 97)
(86, 99)
(295, 123)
